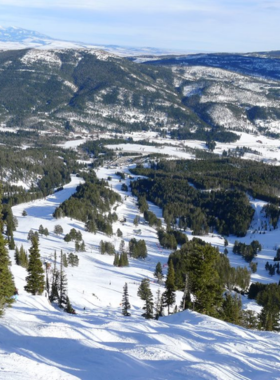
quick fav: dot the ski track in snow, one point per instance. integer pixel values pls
(38, 341)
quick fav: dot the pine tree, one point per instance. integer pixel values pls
(186, 300)
(116, 260)
(7, 286)
(69, 308)
(64, 260)
(125, 302)
(121, 248)
(169, 296)
(102, 247)
(23, 258)
(17, 256)
(55, 279)
(158, 272)
(62, 292)
(232, 309)
(158, 305)
(41, 230)
(144, 292)
(11, 241)
(35, 282)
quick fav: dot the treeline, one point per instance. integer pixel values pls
(229, 212)
(219, 135)
(256, 178)
(46, 168)
(92, 205)
(267, 296)
(247, 251)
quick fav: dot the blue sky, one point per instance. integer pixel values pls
(212, 25)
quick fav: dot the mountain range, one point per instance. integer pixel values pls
(17, 38)
(193, 95)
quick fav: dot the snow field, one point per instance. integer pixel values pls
(39, 341)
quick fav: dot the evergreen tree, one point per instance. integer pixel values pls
(125, 302)
(232, 309)
(23, 258)
(58, 230)
(7, 286)
(11, 241)
(64, 260)
(69, 308)
(102, 247)
(35, 282)
(119, 233)
(144, 292)
(158, 272)
(62, 292)
(116, 260)
(169, 295)
(55, 282)
(17, 256)
(205, 282)
(121, 248)
(158, 305)
(41, 230)
(186, 300)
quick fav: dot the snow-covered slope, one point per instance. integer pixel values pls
(38, 341)
(13, 38)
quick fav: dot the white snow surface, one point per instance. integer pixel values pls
(39, 341)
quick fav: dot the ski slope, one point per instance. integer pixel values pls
(39, 341)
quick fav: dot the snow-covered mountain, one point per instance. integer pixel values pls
(17, 38)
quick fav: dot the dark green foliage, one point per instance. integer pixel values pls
(158, 305)
(248, 252)
(58, 230)
(125, 302)
(62, 286)
(123, 260)
(90, 203)
(35, 281)
(121, 175)
(272, 212)
(52, 165)
(143, 204)
(7, 286)
(136, 220)
(255, 289)
(227, 211)
(69, 308)
(158, 272)
(151, 218)
(116, 260)
(144, 292)
(80, 247)
(124, 187)
(107, 247)
(269, 298)
(169, 297)
(167, 240)
(211, 145)
(32, 235)
(232, 308)
(137, 249)
(73, 260)
(21, 257)
(119, 233)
